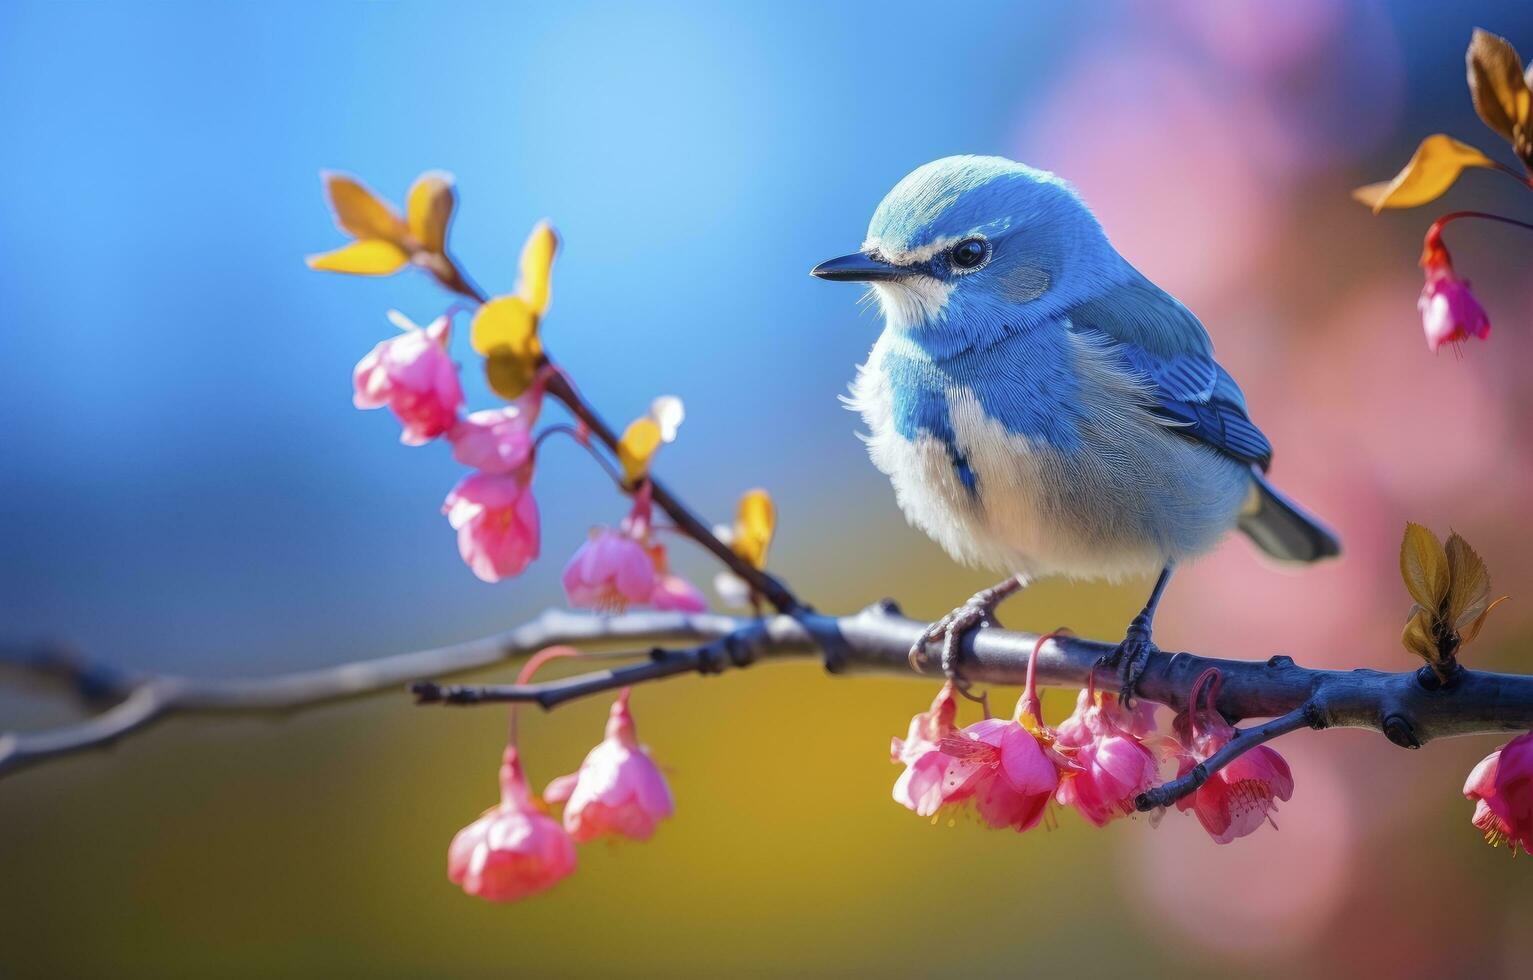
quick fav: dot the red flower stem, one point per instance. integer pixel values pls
(1031, 704)
(529, 668)
(1434, 233)
(574, 433)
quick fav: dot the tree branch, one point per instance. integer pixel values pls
(877, 639)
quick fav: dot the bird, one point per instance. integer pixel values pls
(1042, 408)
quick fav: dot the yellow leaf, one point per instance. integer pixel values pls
(1470, 630)
(1500, 92)
(1468, 581)
(754, 524)
(1417, 637)
(360, 212)
(637, 448)
(1433, 168)
(1424, 567)
(509, 376)
(505, 325)
(365, 258)
(428, 209)
(537, 265)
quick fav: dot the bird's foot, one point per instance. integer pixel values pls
(1130, 658)
(977, 613)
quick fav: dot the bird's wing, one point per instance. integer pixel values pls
(1161, 342)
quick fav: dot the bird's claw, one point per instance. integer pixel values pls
(1129, 660)
(977, 613)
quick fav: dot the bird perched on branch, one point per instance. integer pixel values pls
(1044, 409)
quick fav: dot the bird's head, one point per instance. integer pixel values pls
(967, 246)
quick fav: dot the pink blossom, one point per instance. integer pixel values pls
(415, 378)
(1501, 787)
(921, 786)
(497, 522)
(673, 592)
(610, 571)
(1114, 765)
(514, 850)
(1449, 311)
(1006, 768)
(618, 788)
(677, 594)
(1243, 795)
(497, 440)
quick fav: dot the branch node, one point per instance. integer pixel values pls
(426, 692)
(1280, 660)
(1314, 717)
(1399, 731)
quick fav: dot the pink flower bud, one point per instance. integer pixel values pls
(1113, 765)
(920, 786)
(514, 850)
(609, 572)
(1501, 787)
(672, 592)
(497, 522)
(415, 378)
(493, 441)
(618, 788)
(1449, 311)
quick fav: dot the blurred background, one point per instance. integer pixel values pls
(184, 485)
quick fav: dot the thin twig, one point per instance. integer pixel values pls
(1246, 740)
(688, 523)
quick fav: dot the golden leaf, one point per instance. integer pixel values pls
(1424, 567)
(1471, 629)
(428, 209)
(1417, 636)
(537, 265)
(370, 257)
(1432, 169)
(509, 376)
(506, 326)
(1468, 581)
(755, 521)
(1498, 88)
(360, 212)
(637, 447)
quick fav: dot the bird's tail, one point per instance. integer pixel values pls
(1280, 528)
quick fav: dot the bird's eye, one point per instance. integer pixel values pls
(970, 253)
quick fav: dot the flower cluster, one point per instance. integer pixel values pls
(1097, 761)
(493, 509)
(516, 849)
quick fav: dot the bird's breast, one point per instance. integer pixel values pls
(1026, 462)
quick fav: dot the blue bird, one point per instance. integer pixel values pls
(1044, 409)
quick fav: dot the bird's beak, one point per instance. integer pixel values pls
(858, 267)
